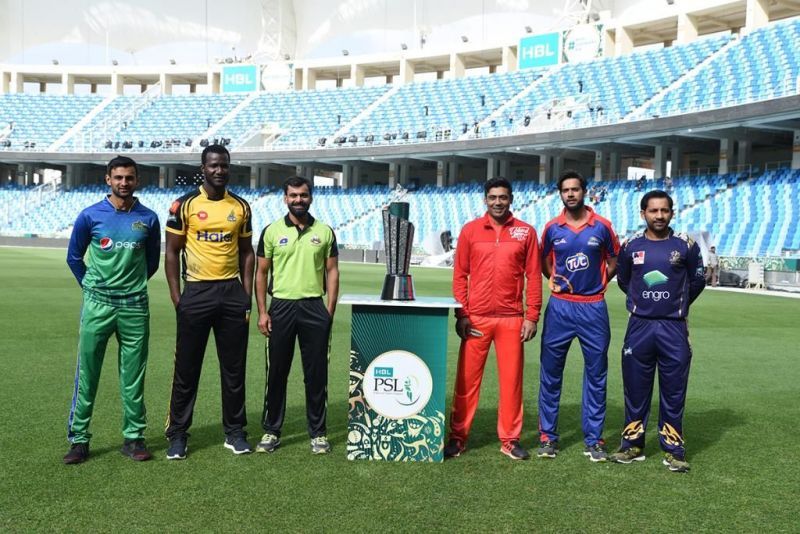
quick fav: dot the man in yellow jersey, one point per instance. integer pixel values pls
(210, 230)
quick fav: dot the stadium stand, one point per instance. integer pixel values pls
(744, 216)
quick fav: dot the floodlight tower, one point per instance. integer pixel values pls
(577, 12)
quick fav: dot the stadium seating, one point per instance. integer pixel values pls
(745, 216)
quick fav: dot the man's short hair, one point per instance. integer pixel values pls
(570, 174)
(121, 161)
(214, 149)
(496, 182)
(655, 193)
(297, 181)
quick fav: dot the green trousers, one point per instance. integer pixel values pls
(131, 326)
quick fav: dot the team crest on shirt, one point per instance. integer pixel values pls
(638, 257)
(675, 257)
(232, 216)
(139, 225)
(520, 233)
(283, 241)
(593, 242)
(315, 240)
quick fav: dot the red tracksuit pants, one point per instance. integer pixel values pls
(505, 332)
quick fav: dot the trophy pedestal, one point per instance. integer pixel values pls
(398, 287)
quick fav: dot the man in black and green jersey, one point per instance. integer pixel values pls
(297, 264)
(210, 229)
(123, 242)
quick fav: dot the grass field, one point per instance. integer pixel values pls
(740, 426)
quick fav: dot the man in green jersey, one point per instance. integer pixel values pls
(298, 262)
(122, 242)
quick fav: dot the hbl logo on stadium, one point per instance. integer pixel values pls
(397, 384)
(578, 262)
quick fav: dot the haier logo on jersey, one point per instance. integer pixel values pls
(578, 262)
(107, 244)
(214, 237)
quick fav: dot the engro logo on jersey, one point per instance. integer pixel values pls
(397, 384)
(578, 262)
(107, 244)
(653, 279)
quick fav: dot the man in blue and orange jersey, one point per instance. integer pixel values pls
(579, 251)
(495, 256)
(114, 249)
(661, 273)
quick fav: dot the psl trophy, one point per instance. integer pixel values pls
(398, 237)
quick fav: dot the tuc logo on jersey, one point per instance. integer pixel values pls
(107, 244)
(520, 233)
(214, 237)
(578, 262)
(654, 279)
(397, 384)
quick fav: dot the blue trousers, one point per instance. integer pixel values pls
(563, 321)
(652, 344)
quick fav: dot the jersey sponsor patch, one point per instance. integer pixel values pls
(173, 209)
(675, 257)
(593, 242)
(283, 241)
(202, 215)
(577, 262)
(106, 244)
(559, 241)
(520, 233)
(638, 257)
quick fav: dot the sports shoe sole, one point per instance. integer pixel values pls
(177, 456)
(234, 451)
(626, 462)
(261, 449)
(675, 469)
(546, 454)
(508, 453)
(320, 451)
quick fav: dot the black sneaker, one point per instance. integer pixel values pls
(596, 452)
(238, 444)
(135, 450)
(269, 442)
(454, 448)
(77, 454)
(547, 449)
(177, 448)
(513, 450)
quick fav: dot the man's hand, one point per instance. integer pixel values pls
(528, 331)
(463, 326)
(265, 324)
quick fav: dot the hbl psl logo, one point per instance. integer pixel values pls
(397, 384)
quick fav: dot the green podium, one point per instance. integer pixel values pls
(398, 368)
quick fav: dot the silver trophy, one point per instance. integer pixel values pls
(398, 237)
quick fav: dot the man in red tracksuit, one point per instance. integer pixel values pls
(495, 256)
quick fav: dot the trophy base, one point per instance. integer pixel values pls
(398, 287)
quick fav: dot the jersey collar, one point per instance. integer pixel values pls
(133, 204)
(487, 220)
(205, 194)
(290, 224)
(561, 220)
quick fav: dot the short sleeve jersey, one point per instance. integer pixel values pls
(298, 257)
(212, 229)
(579, 254)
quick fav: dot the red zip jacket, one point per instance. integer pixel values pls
(490, 271)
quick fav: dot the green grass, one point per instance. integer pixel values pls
(740, 426)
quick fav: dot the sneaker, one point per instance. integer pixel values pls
(596, 452)
(269, 442)
(78, 453)
(238, 444)
(675, 464)
(177, 448)
(547, 449)
(454, 448)
(320, 445)
(513, 450)
(135, 450)
(627, 455)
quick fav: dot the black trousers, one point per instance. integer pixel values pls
(224, 307)
(308, 321)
